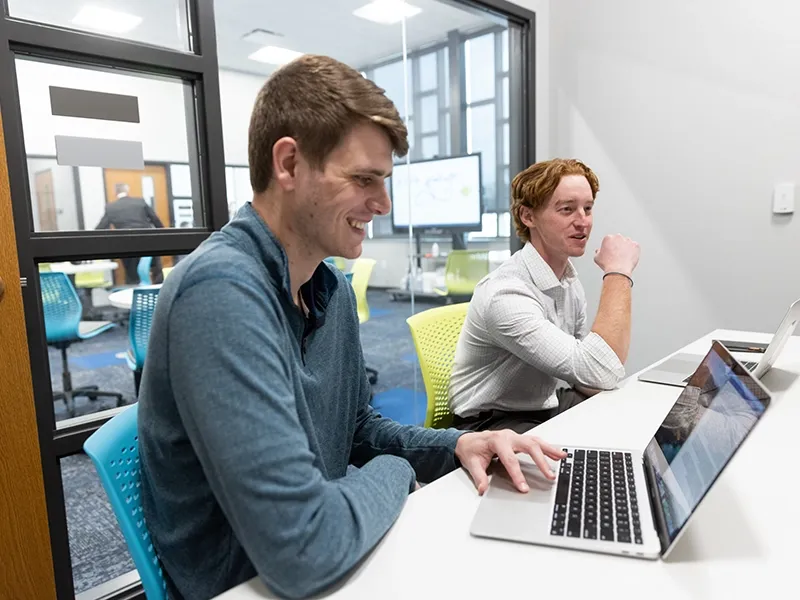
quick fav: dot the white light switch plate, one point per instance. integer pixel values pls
(783, 198)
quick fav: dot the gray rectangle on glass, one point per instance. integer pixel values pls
(70, 102)
(97, 152)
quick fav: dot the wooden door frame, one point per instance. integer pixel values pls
(24, 527)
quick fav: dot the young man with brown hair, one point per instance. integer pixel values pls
(526, 325)
(260, 452)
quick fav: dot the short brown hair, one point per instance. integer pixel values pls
(317, 101)
(534, 187)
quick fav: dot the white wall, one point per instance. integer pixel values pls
(688, 112)
(238, 93)
(93, 195)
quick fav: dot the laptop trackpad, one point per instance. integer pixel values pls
(685, 364)
(508, 514)
(541, 487)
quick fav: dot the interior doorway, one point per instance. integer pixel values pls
(149, 184)
(48, 218)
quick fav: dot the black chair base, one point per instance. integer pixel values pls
(372, 375)
(137, 380)
(91, 392)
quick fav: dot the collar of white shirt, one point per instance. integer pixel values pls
(541, 273)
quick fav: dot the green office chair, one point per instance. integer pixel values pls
(362, 271)
(463, 270)
(435, 333)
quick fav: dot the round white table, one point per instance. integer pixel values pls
(124, 298)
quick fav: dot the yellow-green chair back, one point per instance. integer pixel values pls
(91, 279)
(362, 271)
(463, 270)
(435, 333)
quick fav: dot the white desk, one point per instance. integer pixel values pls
(737, 546)
(124, 298)
(70, 269)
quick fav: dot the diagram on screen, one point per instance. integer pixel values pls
(438, 193)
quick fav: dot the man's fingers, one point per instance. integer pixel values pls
(511, 463)
(478, 474)
(550, 450)
(533, 448)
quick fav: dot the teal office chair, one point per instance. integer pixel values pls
(114, 450)
(63, 327)
(143, 270)
(141, 319)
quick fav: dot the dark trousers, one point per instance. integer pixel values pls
(519, 421)
(131, 264)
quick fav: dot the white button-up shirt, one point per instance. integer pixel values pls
(524, 331)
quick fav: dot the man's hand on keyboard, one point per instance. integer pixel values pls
(476, 450)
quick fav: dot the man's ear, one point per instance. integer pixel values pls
(284, 162)
(527, 217)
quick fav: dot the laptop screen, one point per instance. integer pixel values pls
(706, 425)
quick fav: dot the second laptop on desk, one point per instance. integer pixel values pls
(677, 369)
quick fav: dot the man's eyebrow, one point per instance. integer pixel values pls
(373, 171)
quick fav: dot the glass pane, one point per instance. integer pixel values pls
(237, 181)
(430, 146)
(98, 551)
(446, 71)
(481, 128)
(506, 145)
(506, 98)
(447, 134)
(504, 193)
(428, 74)
(488, 227)
(480, 61)
(106, 150)
(504, 225)
(155, 22)
(390, 78)
(505, 49)
(430, 114)
(97, 327)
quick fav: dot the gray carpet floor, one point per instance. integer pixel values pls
(98, 551)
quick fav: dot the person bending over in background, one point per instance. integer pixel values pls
(526, 325)
(129, 212)
(260, 452)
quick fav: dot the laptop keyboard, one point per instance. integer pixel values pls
(596, 497)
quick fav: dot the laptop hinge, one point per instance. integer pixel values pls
(656, 508)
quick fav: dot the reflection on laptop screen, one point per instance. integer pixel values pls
(707, 424)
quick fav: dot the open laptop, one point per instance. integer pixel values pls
(677, 369)
(630, 502)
